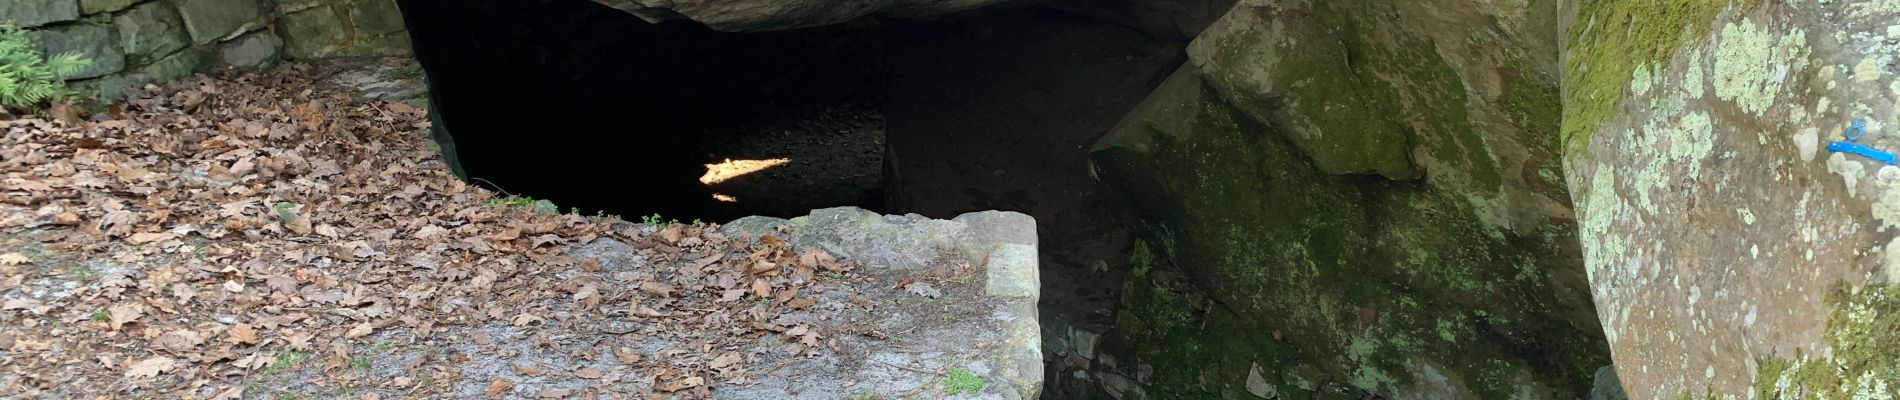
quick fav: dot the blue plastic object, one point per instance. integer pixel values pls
(1854, 132)
(1864, 151)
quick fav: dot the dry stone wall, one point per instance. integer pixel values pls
(135, 42)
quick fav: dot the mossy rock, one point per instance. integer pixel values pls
(1388, 286)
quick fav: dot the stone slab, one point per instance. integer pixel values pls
(1002, 348)
(255, 50)
(371, 17)
(31, 13)
(209, 20)
(90, 7)
(91, 41)
(150, 31)
(313, 32)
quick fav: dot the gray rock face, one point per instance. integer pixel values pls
(90, 41)
(31, 13)
(1004, 350)
(99, 6)
(375, 17)
(208, 20)
(767, 15)
(312, 32)
(150, 31)
(252, 51)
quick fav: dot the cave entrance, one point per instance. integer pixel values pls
(589, 107)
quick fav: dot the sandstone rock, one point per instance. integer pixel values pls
(767, 15)
(91, 41)
(1727, 260)
(313, 32)
(256, 50)
(209, 20)
(31, 13)
(150, 31)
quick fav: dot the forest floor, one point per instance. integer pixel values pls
(269, 236)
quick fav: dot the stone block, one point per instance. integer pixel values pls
(31, 13)
(255, 50)
(372, 17)
(99, 6)
(313, 32)
(393, 44)
(91, 41)
(208, 20)
(180, 64)
(150, 31)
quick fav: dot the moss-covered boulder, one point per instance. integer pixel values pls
(1353, 195)
(1729, 253)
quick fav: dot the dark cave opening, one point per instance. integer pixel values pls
(589, 107)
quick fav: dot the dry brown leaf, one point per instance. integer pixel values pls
(682, 384)
(14, 259)
(529, 370)
(761, 288)
(626, 355)
(497, 387)
(241, 334)
(125, 313)
(360, 330)
(658, 289)
(151, 367)
(588, 373)
(727, 360)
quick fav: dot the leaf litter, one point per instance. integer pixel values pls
(264, 235)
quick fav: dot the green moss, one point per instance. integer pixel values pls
(1863, 331)
(1611, 39)
(1360, 276)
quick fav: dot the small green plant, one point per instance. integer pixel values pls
(361, 362)
(655, 219)
(512, 201)
(698, 224)
(286, 360)
(960, 380)
(284, 211)
(101, 316)
(27, 78)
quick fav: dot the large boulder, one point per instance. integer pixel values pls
(1730, 254)
(1352, 196)
(768, 15)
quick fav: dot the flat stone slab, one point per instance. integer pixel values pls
(966, 308)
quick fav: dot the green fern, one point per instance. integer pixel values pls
(28, 79)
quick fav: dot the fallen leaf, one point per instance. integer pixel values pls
(125, 313)
(497, 387)
(726, 360)
(14, 259)
(528, 370)
(360, 330)
(151, 367)
(682, 384)
(657, 289)
(588, 373)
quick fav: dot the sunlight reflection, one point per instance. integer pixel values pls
(721, 172)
